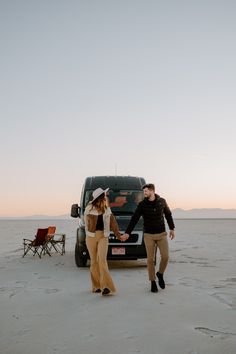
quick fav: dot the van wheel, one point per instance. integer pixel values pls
(80, 259)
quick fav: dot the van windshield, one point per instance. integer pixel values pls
(120, 201)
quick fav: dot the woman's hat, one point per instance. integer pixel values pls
(97, 192)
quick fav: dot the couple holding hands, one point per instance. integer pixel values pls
(99, 220)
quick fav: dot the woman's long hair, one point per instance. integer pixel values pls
(100, 203)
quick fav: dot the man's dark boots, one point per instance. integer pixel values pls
(161, 280)
(154, 286)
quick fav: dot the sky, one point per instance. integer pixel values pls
(129, 87)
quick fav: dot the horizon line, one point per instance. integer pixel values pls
(64, 216)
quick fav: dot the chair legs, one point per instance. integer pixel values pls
(56, 243)
(34, 249)
(39, 250)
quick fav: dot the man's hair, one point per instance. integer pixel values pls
(149, 186)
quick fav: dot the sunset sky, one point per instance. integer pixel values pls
(133, 87)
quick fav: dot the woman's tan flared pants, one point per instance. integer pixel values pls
(100, 276)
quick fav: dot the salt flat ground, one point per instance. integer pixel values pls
(47, 307)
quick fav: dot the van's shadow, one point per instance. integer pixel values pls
(127, 264)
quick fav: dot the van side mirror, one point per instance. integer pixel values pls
(75, 211)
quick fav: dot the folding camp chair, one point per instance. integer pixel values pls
(51, 232)
(56, 241)
(38, 245)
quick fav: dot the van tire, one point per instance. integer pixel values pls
(80, 260)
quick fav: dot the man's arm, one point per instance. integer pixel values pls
(133, 221)
(169, 219)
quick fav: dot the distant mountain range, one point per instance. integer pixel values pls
(215, 213)
(178, 213)
(37, 217)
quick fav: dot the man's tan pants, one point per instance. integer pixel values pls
(100, 276)
(152, 241)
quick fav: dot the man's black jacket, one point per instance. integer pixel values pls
(153, 213)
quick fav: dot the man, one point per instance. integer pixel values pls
(153, 209)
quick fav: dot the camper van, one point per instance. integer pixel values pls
(124, 194)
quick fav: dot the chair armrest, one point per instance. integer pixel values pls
(58, 237)
(26, 240)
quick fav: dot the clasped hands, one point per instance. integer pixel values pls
(124, 237)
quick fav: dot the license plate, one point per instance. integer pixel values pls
(118, 250)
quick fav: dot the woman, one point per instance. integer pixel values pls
(98, 222)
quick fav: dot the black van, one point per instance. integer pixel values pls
(125, 192)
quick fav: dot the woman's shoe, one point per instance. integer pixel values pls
(97, 291)
(106, 291)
